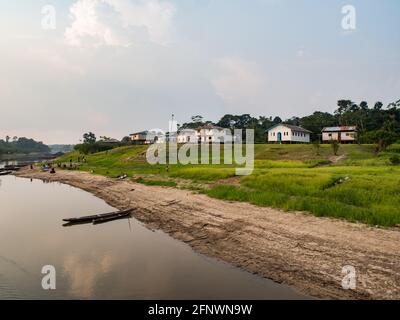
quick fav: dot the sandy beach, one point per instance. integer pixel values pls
(293, 248)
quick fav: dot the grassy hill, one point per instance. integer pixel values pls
(356, 185)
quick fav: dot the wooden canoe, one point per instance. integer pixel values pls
(112, 218)
(87, 219)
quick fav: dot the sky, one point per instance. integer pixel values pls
(115, 67)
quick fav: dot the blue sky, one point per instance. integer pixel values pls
(118, 66)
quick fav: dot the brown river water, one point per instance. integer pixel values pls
(118, 260)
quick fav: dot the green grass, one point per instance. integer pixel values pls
(369, 195)
(360, 186)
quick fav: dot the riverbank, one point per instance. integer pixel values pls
(297, 249)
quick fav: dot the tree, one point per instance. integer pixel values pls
(197, 118)
(277, 120)
(335, 147)
(317, 121)
(8, 139)
(126, 140)
(384, 137)
(378, 106)
(317, 147)
(89, 138)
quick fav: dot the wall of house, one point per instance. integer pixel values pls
(187, 137)
(348, 136)
(330, 136)
(205, 136)
(287, 135)
(214, 136)
(344, 136)
(302, 137)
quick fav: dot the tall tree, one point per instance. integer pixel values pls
(89, 138)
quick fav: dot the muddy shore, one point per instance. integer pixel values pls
(296, 249)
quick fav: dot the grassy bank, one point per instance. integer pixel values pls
(356, 185)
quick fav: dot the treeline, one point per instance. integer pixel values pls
(374, 122)
(22, 146)
(92, 145)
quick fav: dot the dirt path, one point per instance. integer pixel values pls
(292, 248)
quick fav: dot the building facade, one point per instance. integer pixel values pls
(343, 134)
(205, 134)
(286, 133)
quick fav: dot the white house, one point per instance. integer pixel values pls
(344, 134)
(187, 136)
(205, 134)
(287, 133)
(148, 137)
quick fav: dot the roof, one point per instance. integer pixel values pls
(187, 130)
(141, 133)
(209, 127)
(339, 129)
(291, 127)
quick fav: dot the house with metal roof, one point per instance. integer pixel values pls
(342, 134)
(287, 133)
(147, 137)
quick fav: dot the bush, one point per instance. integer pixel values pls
(87, 148)
(335, 147)
(395, 160)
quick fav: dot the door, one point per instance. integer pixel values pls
(279, 137)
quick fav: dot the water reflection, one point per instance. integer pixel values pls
(84, 272)
(104, 261)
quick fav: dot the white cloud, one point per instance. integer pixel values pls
(240, 83)
(120, 22)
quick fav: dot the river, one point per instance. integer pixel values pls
(118, 260)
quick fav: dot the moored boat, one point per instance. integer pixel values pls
(103, 217)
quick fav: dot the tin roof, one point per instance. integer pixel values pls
(339, 129)
(291, 127)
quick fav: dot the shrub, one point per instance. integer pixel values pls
(395, 159)
(335, 147)
(87, 148)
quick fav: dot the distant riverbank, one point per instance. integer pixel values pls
(27, 157)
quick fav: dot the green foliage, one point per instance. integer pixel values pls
(395, 159)
(317, 147)
(89, 137)
(22, 146)
(355, 194)
(87, 148)
(335, 147)
(364, 187)
(382, 138)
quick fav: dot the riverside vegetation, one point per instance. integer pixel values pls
(357, 184)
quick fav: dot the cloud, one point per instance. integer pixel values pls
(120, 22)
(240, 83)
(84, 272)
